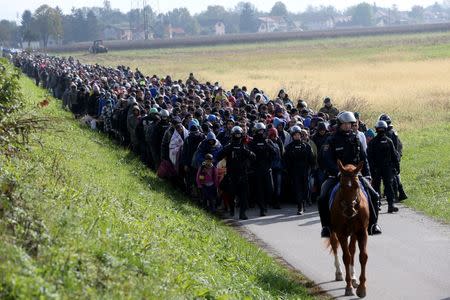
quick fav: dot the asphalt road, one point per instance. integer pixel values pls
(410, 260)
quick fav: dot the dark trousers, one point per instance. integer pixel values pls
(156, 156)
(209, 197)
(300, 186)
(277, 176)
(263, 188)
(323, 203)
(240, 191)
(387, 176)
(398, 187)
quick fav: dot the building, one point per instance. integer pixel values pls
(219, 28)
(272, 24)
(118, 32)
(324, 24)
(175, 31)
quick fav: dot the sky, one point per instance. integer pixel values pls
(12, 9)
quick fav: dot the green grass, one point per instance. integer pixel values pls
(87, 220)
(425, 170)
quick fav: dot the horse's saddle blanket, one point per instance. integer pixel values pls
(336, 188)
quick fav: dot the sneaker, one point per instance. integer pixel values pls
(325, 233)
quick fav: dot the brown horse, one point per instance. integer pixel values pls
(350, 218)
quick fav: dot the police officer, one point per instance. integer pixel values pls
(345, 146)
(262, 166)
(298, 160)
(238, 157)
(384, 163)
(399, 192)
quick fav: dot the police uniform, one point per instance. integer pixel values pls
(238, 157)
(298, 160)
(384, 163)
(262, 170)
(399, 193)
(344, 146)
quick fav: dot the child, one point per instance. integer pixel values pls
(207, 182)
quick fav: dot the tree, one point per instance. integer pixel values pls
(416, 12)
(8, 32)
(91, 26)
(48, 23)
(436, 8)
(248, 21)
(181, 17)
(214, 13)
(78, 23)
(362, 14)
(28, 33)
(279, 9)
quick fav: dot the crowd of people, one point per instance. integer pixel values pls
(227, 149)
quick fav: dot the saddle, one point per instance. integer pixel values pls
(336, 188)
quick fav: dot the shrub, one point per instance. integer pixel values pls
(15, 124)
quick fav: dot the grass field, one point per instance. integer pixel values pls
(403, 75)
(81, 218)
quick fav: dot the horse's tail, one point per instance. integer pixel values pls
(332, 243)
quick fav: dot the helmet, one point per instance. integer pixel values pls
(153, 110)
(386, 118)
(237, 130)
(303, 103)
(295, 129)
(164, 113)
(381, 125)
(346, 117)
(260, 126)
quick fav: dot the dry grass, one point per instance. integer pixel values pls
(406, 76)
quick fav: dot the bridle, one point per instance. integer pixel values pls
(354, 204)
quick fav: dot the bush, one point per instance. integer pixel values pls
(15, 124)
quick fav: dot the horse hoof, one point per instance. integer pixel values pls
(339, 277)
(360, 292)
(355, 283)
(349, 292)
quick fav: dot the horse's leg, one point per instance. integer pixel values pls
(343, 240)
(352, 248)
(334, 246)
(362, 243)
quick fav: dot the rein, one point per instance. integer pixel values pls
(353, 206)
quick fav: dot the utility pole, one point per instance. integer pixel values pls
(144, 10)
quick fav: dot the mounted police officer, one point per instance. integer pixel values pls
(384, 163)
(262, 166)
(399, 192)
(238, 158)
(299, 160)
(344, 145)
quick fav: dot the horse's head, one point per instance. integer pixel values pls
(349, 184)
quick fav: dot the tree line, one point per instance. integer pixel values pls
(87, 23)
